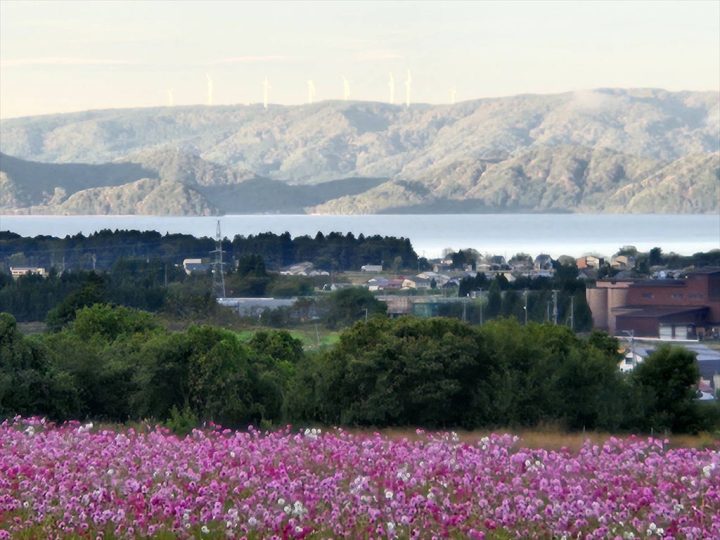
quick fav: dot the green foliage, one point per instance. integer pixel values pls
(494, 304)
(666, 380)
(28, 382)
(182, 421)
(348, 305)
(111, 322)
(118, 364)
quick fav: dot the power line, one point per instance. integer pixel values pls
(218, 270)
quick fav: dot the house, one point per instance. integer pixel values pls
(254, 307)
(667, 309)
(17, 271)
(440, 279)
(443, 266)
(622, 262)
(507, 275)
(589, 261)
(371, 268)
(377, 284)
(543, 263)
(497, 262)
(416, 283)
(195, 266)
(395, 283)
(299, 269)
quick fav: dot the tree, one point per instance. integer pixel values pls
(219, 377)
(93, 292)
(427, 372)
(349, 305)
(655, 256)
(494, 304)
(666, 383)
(29, 383)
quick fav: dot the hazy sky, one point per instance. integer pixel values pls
(60, 56)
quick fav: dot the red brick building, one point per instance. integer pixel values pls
(668, 308)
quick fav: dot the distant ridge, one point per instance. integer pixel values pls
(606, 150)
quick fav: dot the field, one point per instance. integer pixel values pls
(81, 481)
(313, 336)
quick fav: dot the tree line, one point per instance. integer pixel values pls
(101, 250)
(119, 364)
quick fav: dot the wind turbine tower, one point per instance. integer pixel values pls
(266, 92)
(311, 92)
(408, 88)
(346, 89)
(209, 89)
(170, 98)
(391, 85)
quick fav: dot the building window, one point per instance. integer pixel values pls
(678, 296)
(695, 295)
(648, 295)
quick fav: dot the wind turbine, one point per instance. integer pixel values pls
(346, 89)
(209, 89)
(311, 91)
(408, 87)
(391, 85)
(266, 91)
(170, 98)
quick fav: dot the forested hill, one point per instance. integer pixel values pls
(641, 150)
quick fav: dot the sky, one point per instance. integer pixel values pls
(58, 56)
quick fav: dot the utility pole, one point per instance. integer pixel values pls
(464, 303)
(631, 335)
(218, 270)
(94, 261)
(525, 294)
(555, 307)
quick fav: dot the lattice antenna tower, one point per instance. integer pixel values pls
(218, 265)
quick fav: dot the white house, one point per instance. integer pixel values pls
(17, 271)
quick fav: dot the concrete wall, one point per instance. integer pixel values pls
(597, 299)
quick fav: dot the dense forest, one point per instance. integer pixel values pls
(101, 250)
(119, 364)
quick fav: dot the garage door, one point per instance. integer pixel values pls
(666, 331)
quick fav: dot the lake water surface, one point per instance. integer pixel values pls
(502, 234)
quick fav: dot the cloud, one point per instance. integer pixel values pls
(63, 61)
(250, 59)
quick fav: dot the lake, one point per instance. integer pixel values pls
(501, 234)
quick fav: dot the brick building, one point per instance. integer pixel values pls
(669, 308)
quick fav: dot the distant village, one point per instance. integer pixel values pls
(639, 300)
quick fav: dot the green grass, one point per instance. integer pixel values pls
(313, 337)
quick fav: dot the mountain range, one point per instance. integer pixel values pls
(605, 150)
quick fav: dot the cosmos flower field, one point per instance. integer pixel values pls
(76, 480)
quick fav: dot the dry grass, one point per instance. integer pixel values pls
(555, 439)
